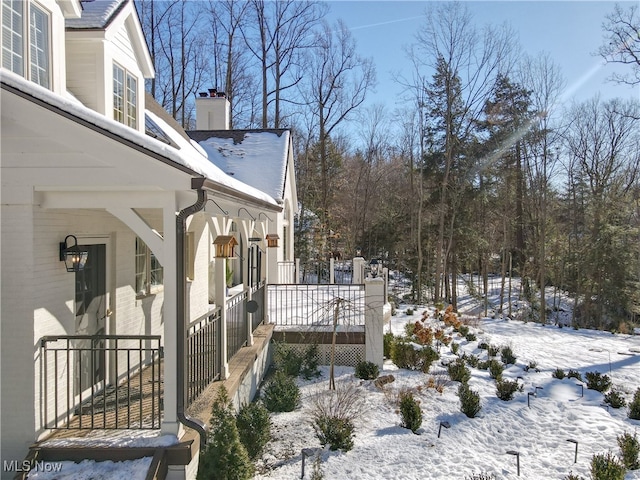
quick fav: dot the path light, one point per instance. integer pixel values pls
(529, 395)
(74, 256)
(308, 452)
(575, 458)
(538, 388)
(445, 425)
(517, 455)
(581, 389)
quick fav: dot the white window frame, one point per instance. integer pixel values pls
(26, 42)
(125, 96)
(149, 274)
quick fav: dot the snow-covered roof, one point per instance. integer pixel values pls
(188, 155)
(255, 157)
(95, 14)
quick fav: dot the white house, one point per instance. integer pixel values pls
(94, 172)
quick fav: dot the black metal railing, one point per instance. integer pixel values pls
(236, 316)
(257, 295)
(203, 353)
(316, 304)
(76, 392)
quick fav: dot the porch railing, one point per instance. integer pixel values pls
(203, 353)
(257, 295)
(236, 324)
(287, 272)
(101, 381)
(316, 304)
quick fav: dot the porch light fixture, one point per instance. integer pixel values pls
(376, 267)
(74, 256)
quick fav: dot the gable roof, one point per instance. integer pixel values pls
(256, 157)
(96, 14)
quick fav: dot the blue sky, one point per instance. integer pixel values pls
(569, 31)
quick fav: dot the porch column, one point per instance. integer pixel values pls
(221, 301)
(272, 266)
(374, 319)
(170, 424)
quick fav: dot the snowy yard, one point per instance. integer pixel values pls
(539, 432)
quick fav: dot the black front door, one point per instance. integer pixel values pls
(91, 310)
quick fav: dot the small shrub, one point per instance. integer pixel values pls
(458, 371)
(506, 388)
(387, 343)
(492, 350)
(481, 476)
(471, 337)
(286, 359)
(484, 365)
(483, 346)
(469, 401)
(409, 311)
(254, 428)
(532, 366)
(455, 347)
(281, 394)
(438, 381)
(463, 330)
(630, 450)
(224, 456)
(495, 369)
(606, 467)
(471, 360)
(558, 373)
(336, 432)
(366, 370)
(404, 355)
(506, 353)
(309, 368)
(575, 374)
(597, 381)
(615, 398)
(333, 413)
(634, 406)
(573, 476)
(410, 412)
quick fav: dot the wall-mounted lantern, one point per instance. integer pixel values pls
(272, 240)
(74, 256)
(224, 245)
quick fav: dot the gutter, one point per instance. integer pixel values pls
(181, 227)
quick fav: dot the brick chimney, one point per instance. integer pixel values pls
(213, 111)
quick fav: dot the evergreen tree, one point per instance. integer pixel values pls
(225, 458)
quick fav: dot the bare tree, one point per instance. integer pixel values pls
(336, 85)
(283, 32)
(622, 42)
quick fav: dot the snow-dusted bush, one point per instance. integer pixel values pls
(615, 398)
(558, 373)
(506, 353)
(469, 401)
(366, 370)
(458, 371)
(630, 450)
(634, 406)
(254, 428)
(597, 381)
(405, 355)
(506, 388)
(606, 466)
(410, 412)
(281, 394)
(495, 368)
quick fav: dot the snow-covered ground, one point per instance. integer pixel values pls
(539, 432)
(537, 427)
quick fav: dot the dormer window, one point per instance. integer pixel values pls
(125, 97)
(25, 41)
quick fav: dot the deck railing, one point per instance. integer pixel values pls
(203, 353)
(257, 295)
(236, 323)
(76, 390)
(315, 305)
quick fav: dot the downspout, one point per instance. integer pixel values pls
(181, 228)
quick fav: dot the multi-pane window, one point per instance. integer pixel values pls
(26, 43)
(125, 97)
(149, 272)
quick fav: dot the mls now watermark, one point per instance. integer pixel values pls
(22, 466)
